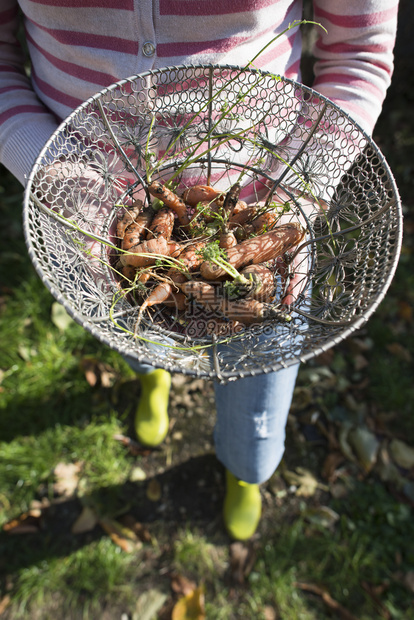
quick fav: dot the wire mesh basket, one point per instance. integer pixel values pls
(290, 150)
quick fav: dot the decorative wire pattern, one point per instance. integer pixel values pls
(210, 124)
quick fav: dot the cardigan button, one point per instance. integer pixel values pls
(148, 49)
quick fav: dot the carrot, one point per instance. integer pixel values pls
(263, 284)
(250, 311)
(227, 240)
(129, 273)
(176, 300)
(191, 260)
(257, 250)
(163, 291)
(259, 224)
(144, 277)
(174, 248)
(130, 214)
(135, 232)
(200, 193)
(241, 217)
(246, 311)
(238, 208)
(141, 256)
(157, 296)
(162, 224)
(190, 255)
(231, 199)
(206, 212)
(171, 200)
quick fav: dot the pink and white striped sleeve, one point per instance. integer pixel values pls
(354, 58)
(25, 124)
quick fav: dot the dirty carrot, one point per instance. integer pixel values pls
(128, 272)
(174, 248)
(176, 300)
(143, 253)
(239, 206)
(135, 232)
(227, 239)
(190, 259)
(171, 200)
(163, 291)
(158, 295)
(207, 211)
(162, 224)
(259, 224)
(246, 311)
(144, 277)
(242, 216)
(263, 283)
(190, 255)
(129, 215)
(260, 249)
(231, 199)
(200, 193)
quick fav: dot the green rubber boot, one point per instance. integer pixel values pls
(151, 419)
(242, 507)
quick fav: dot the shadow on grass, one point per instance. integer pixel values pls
(190, 492)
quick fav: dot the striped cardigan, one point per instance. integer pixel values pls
(77, 47)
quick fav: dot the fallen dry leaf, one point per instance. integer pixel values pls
(154, 490)
(387, 470)
(137, 474)
(269, 613)
(67, 478)
(304, 481)
(190, 607)
(375, 593)
(398, 350)
(330, 466)
(343, 442)
(4, 603)
(323, 516)
(140, 530)
(26, 523)
(85, 522)
(97, 372)
(122, 536)
(360, 362)
(330, 433)
(42, 504)
(181, 585)
(149, 604)
(365, 445)
(242, 559)
(402, 453)
(340, 611)
(133, 447)
(60, 317)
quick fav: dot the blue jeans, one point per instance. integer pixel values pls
(249, 433)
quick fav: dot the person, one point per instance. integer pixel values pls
(76, 48)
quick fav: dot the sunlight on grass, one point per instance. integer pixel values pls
(193, 554)
(30, 460)
(83, 580)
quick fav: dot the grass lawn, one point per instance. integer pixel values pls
(94, 526)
